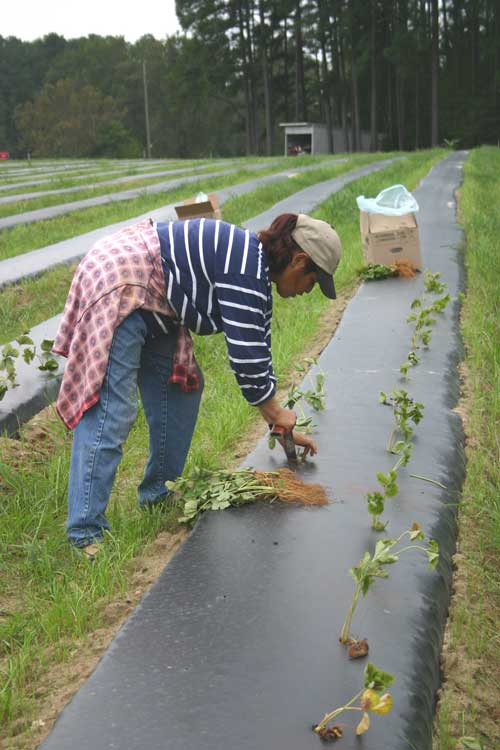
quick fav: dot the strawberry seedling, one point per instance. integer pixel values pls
(372, 698)
(371, 567)
(314, 396)
(9, 354)
(406, 410)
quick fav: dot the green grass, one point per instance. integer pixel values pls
(53, 598)
(23, 238)
(470, 695)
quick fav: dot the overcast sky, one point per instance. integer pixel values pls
(31, 19)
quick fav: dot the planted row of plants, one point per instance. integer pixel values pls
(407, 414)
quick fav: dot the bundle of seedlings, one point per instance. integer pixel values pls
(371, 699)
(378, 271)
(216, 489)
(314, 396)
(386, 552)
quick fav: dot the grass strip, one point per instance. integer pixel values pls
(49, 597)
(469, 700)
(22, 238)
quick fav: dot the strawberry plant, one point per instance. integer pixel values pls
(9, 355)
(372, 698)
(374, 566)
(432, 283)
(376, 500)
(406, 410)
(314, 396)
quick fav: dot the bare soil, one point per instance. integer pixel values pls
(61, 680)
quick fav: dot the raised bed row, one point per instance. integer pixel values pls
(115, 181)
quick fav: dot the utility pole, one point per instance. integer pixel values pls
(146, 110)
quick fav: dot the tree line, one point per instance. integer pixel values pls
(414, 73)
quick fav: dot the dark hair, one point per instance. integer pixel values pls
(279, 244)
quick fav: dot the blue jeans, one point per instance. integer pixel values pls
(135, 359)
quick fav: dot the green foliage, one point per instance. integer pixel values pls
(376, 271)
(68, 118)
(9, 355)
(204, 489)
(376, 679)
(387, 552)
(314, 396)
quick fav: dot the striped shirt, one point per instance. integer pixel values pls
(217, 279)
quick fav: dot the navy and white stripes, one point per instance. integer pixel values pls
(217, 279)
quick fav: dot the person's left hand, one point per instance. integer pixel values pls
(306, 442)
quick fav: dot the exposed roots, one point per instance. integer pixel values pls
(289, 488)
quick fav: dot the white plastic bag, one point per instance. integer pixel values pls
(201, 198)
(393, 201)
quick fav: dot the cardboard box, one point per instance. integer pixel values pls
(387, 239)
(206, 209)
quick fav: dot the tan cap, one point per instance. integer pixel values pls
(322, 244)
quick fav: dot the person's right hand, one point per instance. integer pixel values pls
(286, 418)
(273, 413)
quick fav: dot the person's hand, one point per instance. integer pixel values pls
(273, 413)
(306, 442)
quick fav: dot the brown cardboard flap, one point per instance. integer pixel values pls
(206, 209)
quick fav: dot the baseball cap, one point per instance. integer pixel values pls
(322, 244)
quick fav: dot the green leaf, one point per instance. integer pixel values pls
(46, 345)
(471, 743)
(375, 502)
(376, 679)
(3, 389)
(433, 553)
(51, 365)
(28, 355)
(25, 340)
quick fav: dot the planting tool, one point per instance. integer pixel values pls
(287, 441)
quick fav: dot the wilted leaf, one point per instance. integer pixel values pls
(384, 704)
(369, 698)
(416, 531)
(364, 724)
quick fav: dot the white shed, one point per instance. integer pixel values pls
(312, 138)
